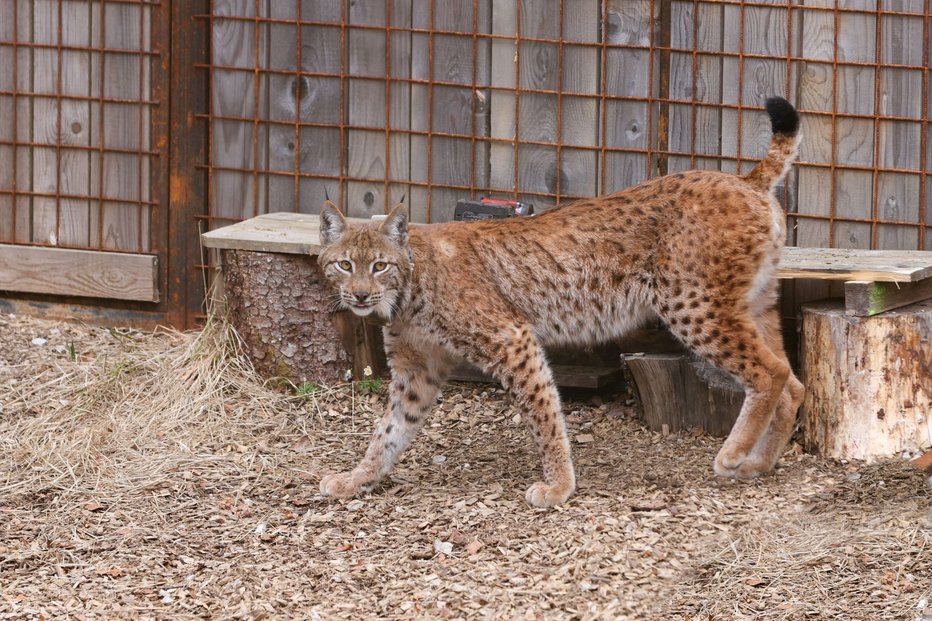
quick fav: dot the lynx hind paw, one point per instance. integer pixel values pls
(739, 466)
(341, 485)
(543, 495)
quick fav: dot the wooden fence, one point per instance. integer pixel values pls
(76, 136)
(127, 124)
(547, 101)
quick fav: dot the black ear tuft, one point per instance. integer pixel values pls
(395, 226)
(783, 116)
(332, 224)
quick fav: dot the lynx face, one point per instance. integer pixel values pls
(367, 266)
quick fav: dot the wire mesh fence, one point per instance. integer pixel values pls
(549, 101)
(77, 150)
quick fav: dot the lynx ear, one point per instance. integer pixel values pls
(332, 224)
(395, 226)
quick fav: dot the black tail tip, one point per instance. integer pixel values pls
(783, 116)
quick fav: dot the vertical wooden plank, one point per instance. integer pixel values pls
(453, 105)
(419, 118)
(900, 141)
(44, 122)
(185, 191)
(815, 92)
(399, 100)
(854, 138)
(504, 79)
(305, 98)
(706, 137)
(61, 121)
(233, 93)
(680, 87)
(765, 34)
(628, 75)
(23, 129)
(751, 82)
(75, 165)
(366, 108)
(122, 221)
(708, 130)
(731, 42)
(537, 112)
(580, 115)
(144, 165)
(7, 131)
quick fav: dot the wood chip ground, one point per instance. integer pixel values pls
(214, 513)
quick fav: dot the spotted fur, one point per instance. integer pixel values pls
(699, 250)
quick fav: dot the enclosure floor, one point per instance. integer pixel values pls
(239, 530)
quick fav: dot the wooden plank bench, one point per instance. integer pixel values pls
(279, 302)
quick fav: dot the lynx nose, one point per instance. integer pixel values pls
(361, 296)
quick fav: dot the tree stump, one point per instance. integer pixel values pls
(868, 381)
(674, 395)
(279, 303)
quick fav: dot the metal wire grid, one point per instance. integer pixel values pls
(660, 101)
(23, 138)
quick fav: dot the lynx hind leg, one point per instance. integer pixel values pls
(730, 339)
(416, 382)
(770, 446)
(525, 374)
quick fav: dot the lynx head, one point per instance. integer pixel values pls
(369, 263)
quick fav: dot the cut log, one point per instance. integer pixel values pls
(279, 303)
(868, 381)
(673, 395)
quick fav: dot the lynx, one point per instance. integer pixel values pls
(698, 250)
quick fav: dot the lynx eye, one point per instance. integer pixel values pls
(379, 266)
(345, 265)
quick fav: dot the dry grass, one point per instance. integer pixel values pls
(127, 419)
(154, 476)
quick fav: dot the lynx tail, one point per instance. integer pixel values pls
(784, 146)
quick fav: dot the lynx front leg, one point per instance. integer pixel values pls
(416, 383)
(524, 372)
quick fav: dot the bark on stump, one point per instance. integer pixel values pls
(868, 381)
(279, 303)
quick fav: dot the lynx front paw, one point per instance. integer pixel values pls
(341, 485)
(738, 465)
(544, 495)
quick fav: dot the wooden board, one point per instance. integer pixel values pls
(873, 265)
(299, 233)
(84, 273)
(866, 299)
(289, 233)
